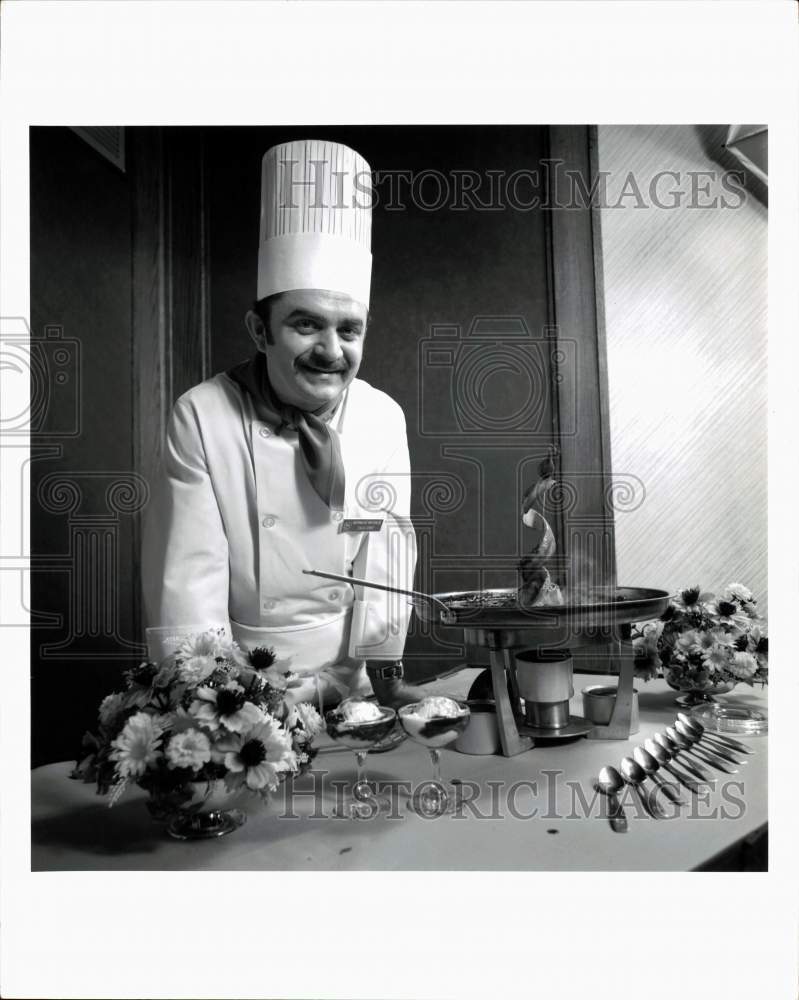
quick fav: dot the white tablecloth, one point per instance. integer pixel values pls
(536, 811)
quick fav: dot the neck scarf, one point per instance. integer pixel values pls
(319, 445)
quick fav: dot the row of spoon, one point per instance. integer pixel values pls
(687, 744)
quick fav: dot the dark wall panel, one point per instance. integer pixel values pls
(83, 492)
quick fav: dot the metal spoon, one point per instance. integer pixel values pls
(610, 782)
(726, 741)
(722, 752)
(663, 757)
(650, 767)
(705, 755)
(704, 739)
(634, 775)
(692, 764)
(690, 731)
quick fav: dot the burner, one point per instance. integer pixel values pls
(576, 726)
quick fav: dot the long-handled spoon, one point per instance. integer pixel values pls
(663, 758)
(634, 775)
(722, 752)
(691, 764)
(416, 596)
(690, 747)
(702, 732)
(610, 783)
(650, 766)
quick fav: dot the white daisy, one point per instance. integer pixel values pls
(231, 651)
(226, 706)
(722, 637)
(717, 657)
(307, 716)
(196, 659)
(737, 592)
(136, 747)
(704, 642)
(728, 613)
(196, 669)
(258, 756)
(206, 643)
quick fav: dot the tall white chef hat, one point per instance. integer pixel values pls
(316, 219)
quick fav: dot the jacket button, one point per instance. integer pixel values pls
(334, 595)
(265, 432)
(337, 515)
(268, 522)
(270, 604)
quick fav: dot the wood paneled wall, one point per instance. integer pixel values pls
(119, 290)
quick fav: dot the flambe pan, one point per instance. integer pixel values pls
(500, 609)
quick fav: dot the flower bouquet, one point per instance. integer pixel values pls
(206, 724)
(704, 644)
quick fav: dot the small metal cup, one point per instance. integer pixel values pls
(481, 735)
(598, 702)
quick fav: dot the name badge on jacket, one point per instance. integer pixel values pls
(362, 524)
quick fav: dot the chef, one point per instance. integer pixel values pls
(287, 462)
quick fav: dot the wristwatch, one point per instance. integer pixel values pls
(387, 671)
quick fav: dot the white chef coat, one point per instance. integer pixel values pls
(233, 521)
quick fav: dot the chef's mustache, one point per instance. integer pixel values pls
(315, 362)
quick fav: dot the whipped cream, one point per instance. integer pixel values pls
(438, 707)
(360, 711)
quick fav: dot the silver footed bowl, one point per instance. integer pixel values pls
(344, 725)
(434, 730)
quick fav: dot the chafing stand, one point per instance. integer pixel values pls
(513, 731)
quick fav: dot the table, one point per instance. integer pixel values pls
(533, 812)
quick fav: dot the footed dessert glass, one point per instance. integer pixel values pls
(359, 725)
(434, 722)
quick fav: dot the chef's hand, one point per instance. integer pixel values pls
(307, 687)
(303, 688)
